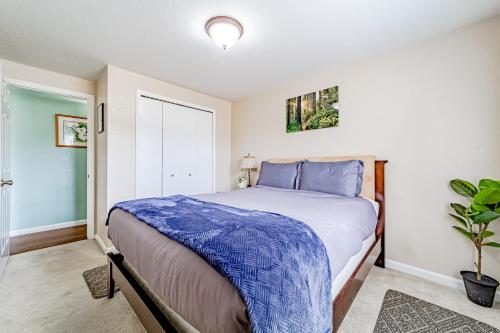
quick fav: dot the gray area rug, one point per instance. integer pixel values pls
(403, 313)
(97, 281)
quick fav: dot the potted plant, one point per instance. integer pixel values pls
(474, 220)
(242, 182)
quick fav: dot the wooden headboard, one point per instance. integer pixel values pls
(368, 187)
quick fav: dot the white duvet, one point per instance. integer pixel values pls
(342, 223)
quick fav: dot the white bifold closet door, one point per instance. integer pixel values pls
(148, 148)
(205, 172)
(174, 150)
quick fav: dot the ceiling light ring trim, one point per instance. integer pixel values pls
(223, 20)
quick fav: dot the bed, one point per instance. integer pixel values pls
(172, 289)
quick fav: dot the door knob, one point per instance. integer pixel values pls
(189, 175)
(6, 182)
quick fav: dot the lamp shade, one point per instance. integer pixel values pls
(249, 163)
(224, 30)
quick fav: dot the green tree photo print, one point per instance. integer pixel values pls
(312, 111)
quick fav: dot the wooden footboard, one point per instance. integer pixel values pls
(375, 256)
(347, 294)
(154, 320)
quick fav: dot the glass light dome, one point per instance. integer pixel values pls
(225, 31)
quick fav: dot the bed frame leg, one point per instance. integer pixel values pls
(380, 262)
(111, 282)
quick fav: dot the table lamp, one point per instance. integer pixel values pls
(249, 165)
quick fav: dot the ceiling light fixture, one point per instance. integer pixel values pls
(224, 30)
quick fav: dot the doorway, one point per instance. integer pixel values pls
(49, 164)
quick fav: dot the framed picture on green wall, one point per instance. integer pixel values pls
(71, 131)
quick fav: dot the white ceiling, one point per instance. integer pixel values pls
(165, 39)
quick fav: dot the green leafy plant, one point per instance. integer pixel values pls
(293, 127)
(475, 219)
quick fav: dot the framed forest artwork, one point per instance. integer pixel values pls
(313, 111)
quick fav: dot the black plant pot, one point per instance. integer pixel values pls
(481, 292)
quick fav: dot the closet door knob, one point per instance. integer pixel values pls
(189, 175)
(171, 175)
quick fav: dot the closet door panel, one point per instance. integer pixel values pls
(149, 148)
(205, 153)
(172, 150)
(190, 149)
(187, 150)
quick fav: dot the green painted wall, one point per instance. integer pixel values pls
(50, 183)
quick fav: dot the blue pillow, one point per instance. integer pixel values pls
(283, 175)
(342, 178)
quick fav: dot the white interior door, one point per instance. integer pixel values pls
(5, 182)
(187, 150)
(189, 143)
(149, 148)
(174, 149)
(205, 152)
(176, 128)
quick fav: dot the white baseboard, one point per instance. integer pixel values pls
(3, 264)
(5, 248)
(103, 247)
(429, 275)
(26, 231)
(100, 242)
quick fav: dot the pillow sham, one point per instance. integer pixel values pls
(283, 175)
(341, 178)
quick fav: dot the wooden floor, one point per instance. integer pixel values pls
(40, 240)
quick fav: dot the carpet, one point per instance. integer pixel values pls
(97, 281)
(404, 313)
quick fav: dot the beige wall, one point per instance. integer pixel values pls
(101, 206)
(31, 74)
(432, 110)
(122, 89)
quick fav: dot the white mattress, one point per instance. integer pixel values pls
(374, 204)
(339, 282)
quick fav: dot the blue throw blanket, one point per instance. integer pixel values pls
(279, 265)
